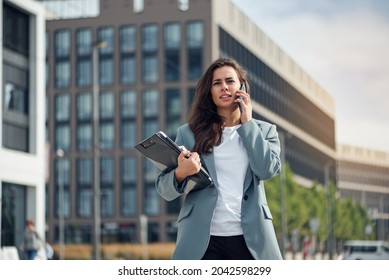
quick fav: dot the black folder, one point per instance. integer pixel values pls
(163, 152)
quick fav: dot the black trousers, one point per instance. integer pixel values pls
(227, 248)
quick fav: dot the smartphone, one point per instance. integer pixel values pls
(242, 88)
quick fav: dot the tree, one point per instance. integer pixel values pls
(348, 218)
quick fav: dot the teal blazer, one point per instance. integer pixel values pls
(263, 148)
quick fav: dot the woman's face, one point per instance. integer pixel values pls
(225, 83)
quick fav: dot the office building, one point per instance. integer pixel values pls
(363, 174)
(154, 53)
(22, 128)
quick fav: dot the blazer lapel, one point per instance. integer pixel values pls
(247, 179)
(209, 162)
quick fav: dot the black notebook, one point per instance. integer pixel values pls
(163, 152)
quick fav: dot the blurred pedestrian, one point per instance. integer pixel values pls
(31, 241)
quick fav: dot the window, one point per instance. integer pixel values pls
(65, 203)
(106, 135)
(195, 34)
(62, 43)
(149, 53)
(62, 107)
(150, 126)
(84, 72)
(151, 200)
(106, 202)
(150, 69)
(127, 50)
(173, 112)
(62, 172)
(15, 103)
(84, 106)
(106, 34)
(128, 110)
(106, 105)
(84, 172)
(150, 108)
(128, 70)
(128, 201)
(62, 137)
(128, 170)
(84, 187)
(15, 137)
(15, 98)
(16, 30)
(172, 36)
(62, 74)
(106, 171)
(106, 71)
(128, 180)
(84, 42)
(107, 181)
(84, 137)
(62, 117)
(150, 104)
(195, 41)
(127, 39)
(84, 203)
(172, 40)
(150, 38)
(47, 44)
(128, 106)
(128, 134)
(62, 177)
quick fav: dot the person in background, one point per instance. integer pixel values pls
(31, 241)
(230, 219)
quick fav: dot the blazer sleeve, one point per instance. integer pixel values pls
(263, 148)
(166, 184)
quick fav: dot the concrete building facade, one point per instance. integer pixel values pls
(22, 128)
(363, 174)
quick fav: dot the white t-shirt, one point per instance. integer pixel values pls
(231, 162)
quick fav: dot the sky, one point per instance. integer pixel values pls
(344, 46)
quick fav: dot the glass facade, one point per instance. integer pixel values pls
(130, 109)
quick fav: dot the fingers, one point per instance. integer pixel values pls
(245, 103)
(189, 163)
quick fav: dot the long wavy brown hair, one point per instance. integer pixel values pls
(204, 121)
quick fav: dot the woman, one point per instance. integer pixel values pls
(230, 219)
(31, 241)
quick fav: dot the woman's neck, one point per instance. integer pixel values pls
(231, 118)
